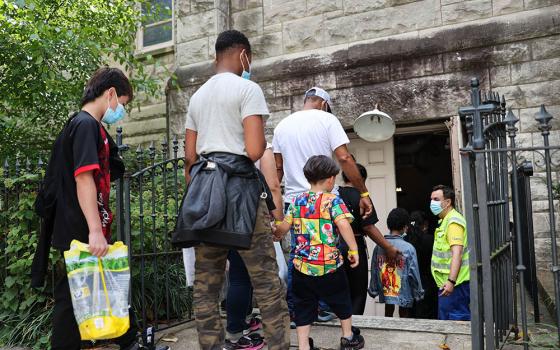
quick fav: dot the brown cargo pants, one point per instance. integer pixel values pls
(260, 261)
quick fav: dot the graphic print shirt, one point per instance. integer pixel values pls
(313, 218)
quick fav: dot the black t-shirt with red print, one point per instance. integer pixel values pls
(85, 147)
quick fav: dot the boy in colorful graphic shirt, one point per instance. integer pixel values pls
(315, 219)
(396, 281)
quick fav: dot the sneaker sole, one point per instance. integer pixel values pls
(359, 346)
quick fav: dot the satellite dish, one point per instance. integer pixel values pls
(374, 126)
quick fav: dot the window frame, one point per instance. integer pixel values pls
(164, 46)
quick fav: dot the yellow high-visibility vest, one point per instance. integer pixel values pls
(441, 253)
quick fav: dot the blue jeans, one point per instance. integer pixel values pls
(239, 299)
(455, 306)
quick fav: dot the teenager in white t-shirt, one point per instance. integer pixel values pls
(226, 115)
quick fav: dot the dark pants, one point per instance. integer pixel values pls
(357, 277)
(239, 300)
(331, 288)
(455, 306)
(427, 307)
(66, 335)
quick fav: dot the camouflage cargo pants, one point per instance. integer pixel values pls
(260, 261)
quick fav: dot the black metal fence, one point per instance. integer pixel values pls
(499, 253)
(147, 202)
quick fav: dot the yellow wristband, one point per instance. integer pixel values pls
(352, 252)
(364, 195)
(278, 222)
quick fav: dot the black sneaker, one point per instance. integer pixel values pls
(357, 342)
(311, 345)
(246, 342)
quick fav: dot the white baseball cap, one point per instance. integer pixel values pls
(317, 91)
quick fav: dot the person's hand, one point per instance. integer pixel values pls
(392, 252)
(366, 206)
(447, 289)
(276, 236)
(98, 244)
(354, 259)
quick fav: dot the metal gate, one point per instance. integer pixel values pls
(147, 203)
(498, 262)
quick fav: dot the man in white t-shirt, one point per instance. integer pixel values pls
(310, 132)
(315, 131)
(225, 115)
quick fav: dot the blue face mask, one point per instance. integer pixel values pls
(245, 74)
(435, 207)
(112, 116)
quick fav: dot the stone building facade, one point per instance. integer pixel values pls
(415, 58)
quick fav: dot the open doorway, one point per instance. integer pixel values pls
(422, 161)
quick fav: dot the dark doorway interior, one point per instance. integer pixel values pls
(421, 162)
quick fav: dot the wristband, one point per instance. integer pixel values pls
(352, 252)
(278, 222)
(364, 195)
(452, 281)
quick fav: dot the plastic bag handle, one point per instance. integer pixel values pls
(104, 286)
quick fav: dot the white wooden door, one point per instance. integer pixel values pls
(379, 160)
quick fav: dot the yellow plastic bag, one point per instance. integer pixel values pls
(99, 289)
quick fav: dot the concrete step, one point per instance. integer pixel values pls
(379, 333)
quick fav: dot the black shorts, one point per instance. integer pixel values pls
(331, 288)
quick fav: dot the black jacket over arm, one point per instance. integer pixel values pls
(221, 202)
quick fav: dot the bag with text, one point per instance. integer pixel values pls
(99, 288)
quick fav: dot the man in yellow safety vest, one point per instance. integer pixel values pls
(450, 257)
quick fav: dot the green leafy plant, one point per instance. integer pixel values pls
(556, 190)
(24, 312)
(48, 50)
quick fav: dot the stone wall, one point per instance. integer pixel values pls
(148, 122)
(415, 58)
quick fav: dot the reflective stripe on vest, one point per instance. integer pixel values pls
(441, 253)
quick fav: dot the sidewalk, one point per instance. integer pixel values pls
(379, 333)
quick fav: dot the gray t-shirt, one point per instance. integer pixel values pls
(217, 110)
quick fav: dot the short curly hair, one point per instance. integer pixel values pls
(398, 219)
(231, 38)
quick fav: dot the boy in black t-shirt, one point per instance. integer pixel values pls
(358, 277)
(79, 174)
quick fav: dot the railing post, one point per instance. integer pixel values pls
(476, 305)
(523, 176)
(544, 118)
(476, 110)
(119, 193)
(510, 121)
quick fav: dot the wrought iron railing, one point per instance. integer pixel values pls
(499, 260)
